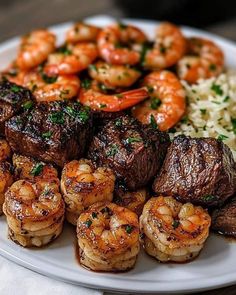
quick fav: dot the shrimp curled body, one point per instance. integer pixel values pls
(82, 32)
(35, 48)
(204, 60)
(169, 47)
(111, 40)
(34, 211)
(173, 231)
(167, 103)
(83, 185)
(108, 237)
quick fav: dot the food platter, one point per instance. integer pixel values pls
(214, 267)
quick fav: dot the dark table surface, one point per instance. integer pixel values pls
(20, 16)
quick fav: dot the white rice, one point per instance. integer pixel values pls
(211, 109)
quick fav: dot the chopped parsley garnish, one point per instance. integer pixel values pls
(88, 223)
(130, 140)
(153, 122)
(222, 137)
(129, 229)
(122, 26)
(175, 224)
(119, 95)
(57, 117)
(113, 150)
(107, 210)
(209, 198)
(118, 122)
(102, 105)
(212, 67)
(226, 98)
(70, 111)
(203, 111)
(217, 89)
(216, 102)
(150, 89)
(48, 79)
(172, 130)
(145, 47)
(27, 105)
(94, 214)
(86, 83)
(15, 88)
(93, 68)
(64, 50)
(103, 87)
(47, 134)
(184, 120)
(233, 121)
(83, 116)
(37, 169)
(155, 103)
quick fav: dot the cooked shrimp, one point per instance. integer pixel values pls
(133, 201)
(34, 211)
(115, 44)
(82, 185)
(167, 103)
(5, 150)
(108, 237)
(204, 60)
(29, 169)
(35, 48)
(169, 47)
(47, 88)
(6, 179)
(173, 231)
(114, 75)
(97, 100)
(81, 32)
(73, 59)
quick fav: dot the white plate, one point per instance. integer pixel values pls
(215, 267)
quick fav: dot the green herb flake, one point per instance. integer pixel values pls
(226, 98)
(184, 120)
(83, 116)
(118, 122)
(233, 121)
(175, 224)
(112, 151)
(47, 134)
(130, 140)
(94, 215)
(153, 122)
(48, 79)
(150, 89)
(15, 88)
(122, 26)
(57, 118)
(27, 105)
(93, 68)
(64, 50)
(88, 223)
(86, 83)
(222, 137)
(208, 198)
(217, 89)
(102, 105)
(145, 47)
(119, 95)
(172, 130)
(203, 111)
(212, 67)
(155, 103)
(37, 169)
(129, 228)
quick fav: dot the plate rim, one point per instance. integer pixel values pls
(29, 261)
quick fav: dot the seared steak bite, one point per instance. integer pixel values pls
(133, 151)
(13, 100)
(52, 132)
(197, 170)
(224, 219)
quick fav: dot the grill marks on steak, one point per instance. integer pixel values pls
(197, 170)
(52, 132)
(13, 100)
(133, 151)
(224, 219)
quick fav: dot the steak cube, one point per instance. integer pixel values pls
(133, 151)
(197, 170)
(13, 100)
(52, 132)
